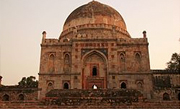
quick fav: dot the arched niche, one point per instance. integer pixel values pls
(50, 86)
(138, 66)
(66, 59)
(123, 85)
(94, 63)
(67, 63)
(66, 86)
(138, 57)
(87, 57)
(6, 97)
(122, 57)
(139, 85)
(166, 96)
(51, 63)
(122, 61)
(21, 97)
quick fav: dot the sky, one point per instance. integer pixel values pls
(23, 21)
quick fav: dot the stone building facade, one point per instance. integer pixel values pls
(95, 50)
(18, 94)
(166, 85)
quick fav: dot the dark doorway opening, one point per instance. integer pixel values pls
(123, 85)
(21, 97)
(66, 86)
(179, 96)
(94, 73)
(5, 97)
(166, 96)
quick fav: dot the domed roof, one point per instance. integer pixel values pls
(94, 13)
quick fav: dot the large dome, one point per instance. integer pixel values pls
(94, 13)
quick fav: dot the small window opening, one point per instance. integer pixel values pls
(166, 96)
(94, 71)
(123, 86)
(66, 86)
(113, 77)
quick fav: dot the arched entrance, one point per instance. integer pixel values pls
(66, 86)
(166, 96)
(21, 97)
(123, 85)
(94, 70)
(5, 97)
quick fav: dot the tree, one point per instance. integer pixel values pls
(173, 64)
(28, 82)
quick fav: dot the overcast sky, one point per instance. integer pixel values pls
(22, 22)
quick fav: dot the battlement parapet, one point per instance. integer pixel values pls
(51, 41)
(165, 71)
(137, 41)
(54, 42)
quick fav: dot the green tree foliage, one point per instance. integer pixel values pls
(28, 82)
(173, 64)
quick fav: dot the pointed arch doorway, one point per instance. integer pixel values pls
(94, 70)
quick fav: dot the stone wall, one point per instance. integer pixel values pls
(15, 93)
(166, 85)
(139, 105)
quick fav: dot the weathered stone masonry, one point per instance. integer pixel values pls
(95, 63)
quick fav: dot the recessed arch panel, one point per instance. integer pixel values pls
(94, 69)
(94, 52)
(166, 96)
(6, 97)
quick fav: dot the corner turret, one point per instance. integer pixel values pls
(43, 36)
(0, 81)
(144, 34)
